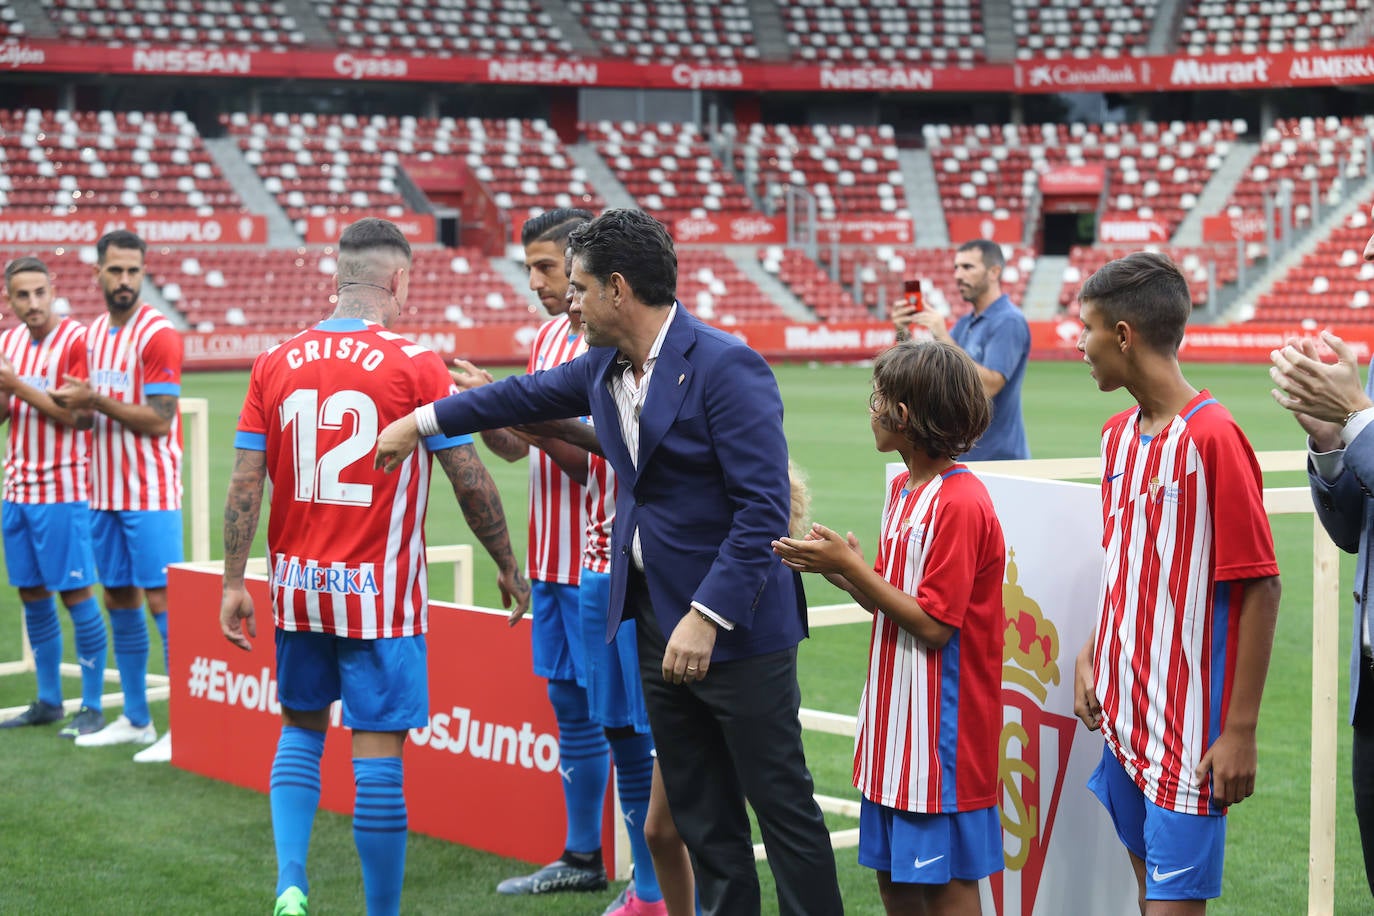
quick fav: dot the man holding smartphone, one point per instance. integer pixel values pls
(995, 334)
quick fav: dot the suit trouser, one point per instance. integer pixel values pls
(733, 736)
(1362, 766)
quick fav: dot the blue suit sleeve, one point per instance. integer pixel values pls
(744, 410)
(1340, 504)
(551, 394)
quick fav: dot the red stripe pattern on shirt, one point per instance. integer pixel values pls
(558, 512)
(131, 471)
(46, 461)
(1183, 523)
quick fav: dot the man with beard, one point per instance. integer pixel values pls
(995, 334)
(134, 358)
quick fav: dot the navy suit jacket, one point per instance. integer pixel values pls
(710, 492)
(1346, 510)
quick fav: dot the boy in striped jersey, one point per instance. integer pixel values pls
(134, 357)
(347, 551)
(926, 752)
(1175, 669)
(46, 517)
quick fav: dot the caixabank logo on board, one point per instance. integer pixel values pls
(1034, 748)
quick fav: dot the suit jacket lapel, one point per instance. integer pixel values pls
(668, 385)
(604, 412)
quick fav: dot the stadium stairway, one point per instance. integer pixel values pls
(745, 257)
(998, 34)
(923, 198)
(1217, 192)
(575, 36)
(599, 175)
(1356, 198)
(309, 23)
(256, 198)
(511, 267)
(34, 15)
(1164, 29)
(1041, 301)
(770, 35)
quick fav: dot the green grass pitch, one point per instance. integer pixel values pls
(91, 832)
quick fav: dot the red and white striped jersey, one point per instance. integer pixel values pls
(346, 542)
(1183, 527)
(46, 461)
(131, 471)
(600, 514)
(558, 511)
(929, 718)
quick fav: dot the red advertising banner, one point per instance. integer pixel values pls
(418, 228)
(1073, 180)
(730, 230)
(1121, 227)
(174, 227)
(865, 230)
(443, 174)
(1007, 230)
(1224, 227)
(483, 772)
(1136, 74)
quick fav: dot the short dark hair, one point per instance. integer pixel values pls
(947, 408)
(25, 265)
(633, 244)
(991, 251)
(1147, 291)
(120, 238)
(372, 232)
(554, 225)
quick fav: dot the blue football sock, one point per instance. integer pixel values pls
(634, 774)
(45, 637)
(129, 628)
(295, 795)
(379, 831)
(160, 621)
(583, 762)
(91, 648)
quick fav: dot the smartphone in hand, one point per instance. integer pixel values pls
(914, 297)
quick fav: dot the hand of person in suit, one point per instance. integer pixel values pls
(1320, 395)
(687, 656)
(397, 441)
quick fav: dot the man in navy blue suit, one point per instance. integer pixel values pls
(690, 418)
(1336, 412)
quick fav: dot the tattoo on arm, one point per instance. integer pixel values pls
(505, 444)
(481, 502)
(164, 405)
(242, 508)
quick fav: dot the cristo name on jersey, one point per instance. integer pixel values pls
(345, 541)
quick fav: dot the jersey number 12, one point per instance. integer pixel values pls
(317, 479)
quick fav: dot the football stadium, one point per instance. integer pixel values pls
(813, 161)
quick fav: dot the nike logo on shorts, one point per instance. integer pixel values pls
(1166, 875)
(920, 863)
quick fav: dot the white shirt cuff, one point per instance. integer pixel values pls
(427, 421)
(1356, 425)
(712, 615)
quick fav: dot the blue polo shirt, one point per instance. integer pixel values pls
(999, 339)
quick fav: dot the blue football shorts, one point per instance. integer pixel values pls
(48, 545)
(614, 692)
(930, 848)
(135, 547)
(384, 683)
(1183, 853)
(556, 632)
